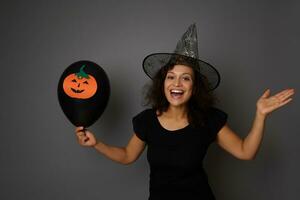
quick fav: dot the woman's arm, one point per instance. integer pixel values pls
(123, 155)
(246, 149)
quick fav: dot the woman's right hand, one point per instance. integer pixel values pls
(85, 137)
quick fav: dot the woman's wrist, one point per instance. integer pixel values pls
(94, 146)
(96, 143)
(260, 115)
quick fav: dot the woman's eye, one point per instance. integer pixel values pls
(170, 77)
(186, 78)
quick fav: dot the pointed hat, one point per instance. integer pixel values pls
(186, 52)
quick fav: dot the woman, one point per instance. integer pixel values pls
(181, 125)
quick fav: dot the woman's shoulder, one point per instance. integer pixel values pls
(144, 114)
(216, 113)
(215, 110)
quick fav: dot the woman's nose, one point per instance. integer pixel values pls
(177, 82)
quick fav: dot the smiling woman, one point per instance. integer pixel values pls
(182, 123)
(178, 83)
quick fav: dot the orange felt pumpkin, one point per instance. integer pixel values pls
(80, 85)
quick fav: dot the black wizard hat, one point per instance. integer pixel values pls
(186, 52)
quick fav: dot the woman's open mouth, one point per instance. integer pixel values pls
(176, 94)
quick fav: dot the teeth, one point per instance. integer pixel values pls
(177, 91)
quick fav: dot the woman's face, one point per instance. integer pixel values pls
(178, 85)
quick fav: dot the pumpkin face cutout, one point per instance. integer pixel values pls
(80, 85)
(79, 93)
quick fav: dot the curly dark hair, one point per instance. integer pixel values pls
(199, 103)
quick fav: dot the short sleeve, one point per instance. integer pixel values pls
(139, 125)
(218, 119)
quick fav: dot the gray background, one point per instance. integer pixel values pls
(254, 45)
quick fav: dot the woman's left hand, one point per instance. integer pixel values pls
(266, 104)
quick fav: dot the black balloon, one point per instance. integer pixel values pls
(83, 92)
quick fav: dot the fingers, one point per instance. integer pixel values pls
(79, 128)
(266, 94)
(285, 92)
(288, 100)
(288, 93)
(84, 137)
(81, 134)
(282, 96)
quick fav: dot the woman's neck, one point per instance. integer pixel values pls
(176, 112)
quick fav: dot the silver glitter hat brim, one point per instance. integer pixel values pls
(154, 62)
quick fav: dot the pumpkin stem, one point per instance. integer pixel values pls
(81, 74)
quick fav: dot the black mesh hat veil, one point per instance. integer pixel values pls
(186, 53)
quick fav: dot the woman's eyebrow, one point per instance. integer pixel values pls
(181, 74)
(171, 72)
(184, 74)
(187, 74)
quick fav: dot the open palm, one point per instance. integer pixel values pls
(266, 103)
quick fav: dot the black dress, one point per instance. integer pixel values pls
(175, 157)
